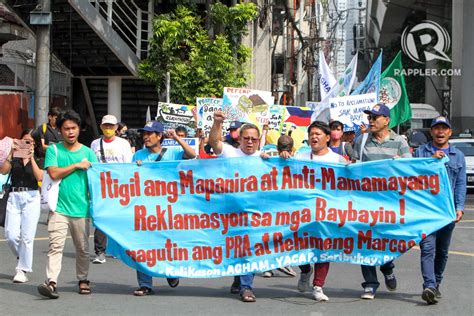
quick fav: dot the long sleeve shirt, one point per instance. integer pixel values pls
(456, 168)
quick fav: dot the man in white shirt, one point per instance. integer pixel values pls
(319, 135)
(109, 149)
(249, 138)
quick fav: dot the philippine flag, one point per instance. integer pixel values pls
(299, 116)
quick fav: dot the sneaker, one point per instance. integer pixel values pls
(319, 295)
(267, 274)
(288, 271)
(99, 259)
(304, 282)
(20, 277)
(172, 282)
(438, 293)
(429, 296)
(369, 293)
(391, 282)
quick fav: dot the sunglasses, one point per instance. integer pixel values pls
(373, 117)
(247, 139)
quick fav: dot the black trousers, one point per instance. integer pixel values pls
(100, 241)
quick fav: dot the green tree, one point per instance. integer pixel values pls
(200, 65)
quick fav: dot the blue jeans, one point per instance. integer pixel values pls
(434, 256)
(370, 274)
(246, 282)
(144, 280)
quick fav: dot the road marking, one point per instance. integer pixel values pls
(461, 253)
(469, 254)
(467, 221)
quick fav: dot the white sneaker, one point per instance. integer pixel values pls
(20, 277)
(369, 294)
(267, 274)
(319, 295)
(304, 281)
(99, 259)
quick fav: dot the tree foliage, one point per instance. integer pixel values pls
(199, 65)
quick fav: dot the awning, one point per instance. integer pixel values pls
(423, 111)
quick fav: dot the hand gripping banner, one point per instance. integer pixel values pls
(223, 217)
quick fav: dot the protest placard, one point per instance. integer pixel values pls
(247, 105)
(174, 115)
(205, 108)
(350, 110)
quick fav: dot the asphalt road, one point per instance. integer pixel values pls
(113, 284)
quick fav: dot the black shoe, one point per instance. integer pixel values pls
(173, 282)
(48, 290)
(438, 293)
(390, 281)
(235, 287)
(429, 296)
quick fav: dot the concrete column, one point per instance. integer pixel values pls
(462, 111)
(434, 84)
(114, 97)
(43, 56)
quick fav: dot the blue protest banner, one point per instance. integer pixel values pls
(223, 217)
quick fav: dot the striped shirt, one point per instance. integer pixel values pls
(392, 146)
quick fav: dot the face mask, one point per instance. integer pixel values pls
(108, 132)
(336, 135)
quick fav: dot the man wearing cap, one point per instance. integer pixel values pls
(379, 143)
(249, 140)
(434, 248)
(233, 137)
(153, 136)
(109, 149)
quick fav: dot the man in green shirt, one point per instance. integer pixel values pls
(68, 162)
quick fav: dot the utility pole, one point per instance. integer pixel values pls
(168, 86)
(43, 57)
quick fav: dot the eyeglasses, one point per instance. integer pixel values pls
(373, 117)
(247, 139)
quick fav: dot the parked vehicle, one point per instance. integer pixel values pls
(466, 145)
